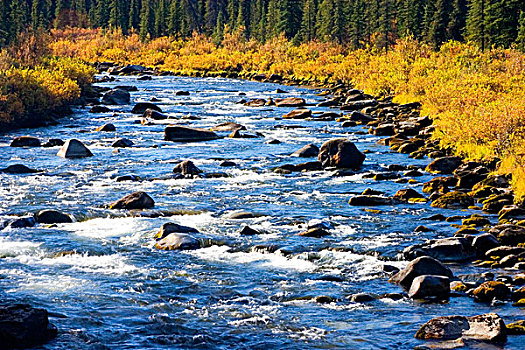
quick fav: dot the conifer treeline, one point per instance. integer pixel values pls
(353, 22)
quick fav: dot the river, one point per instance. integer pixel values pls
(116, 291)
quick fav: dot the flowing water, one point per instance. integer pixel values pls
(116, 291)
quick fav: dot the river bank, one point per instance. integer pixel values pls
(341, 268)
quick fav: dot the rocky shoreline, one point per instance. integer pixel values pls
(460, 185)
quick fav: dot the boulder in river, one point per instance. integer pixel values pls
(484, 243)
(137, 200)
(453, 200)
(186, 134)
(430, 286)
(230, 126)
(258, 102)
(407, 194)
(178, 241)
(74, 149)
(316, 232)
(491, 290)
(122, 143)
(424, 265)
(487, 327)
(170, 227)
(152, 114)
(248, 231)
(369, 200)
(49, 216)
(307, 151)
(290, 102)
(22, 326)
(99, 109)
(187, 168)
(301, 113)
(107, 128)
(25, 141)
(116, 97)
(141, 107)
(18, 169)
(340, 153)
(444, 165)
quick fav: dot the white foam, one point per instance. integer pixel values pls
(110, 228)
(255, 259)
(16, 248)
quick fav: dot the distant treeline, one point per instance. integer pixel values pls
(357, 23)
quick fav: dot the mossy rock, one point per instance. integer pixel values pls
(486, 263)
(477, 221)
(466, 231)
(453, 200)
(458, 286)
(482, 192)
(516, 328)
(519, 303)
(491, 290)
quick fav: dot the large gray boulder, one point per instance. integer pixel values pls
(186, 134)
(424, 265)
(49, 216)
(307, 151)
(116, 97)
(187, 168)
(137, 200)
(25, 141)
(486, 327)
(74, 149)
(340, 153)
(170, 227)
(142, 107)
(430, 286)
(178, 241)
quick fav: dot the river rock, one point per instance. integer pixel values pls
(513, 235)
(511, 212)
(453, 200)
(316, 232)
(424, 265)
(178, 241)
(491, 290)
(516, 328)
(137, 200)
(99, 109)
(362, 298)
(54, 143)
(186, 134)
(407, 194)
(74, 149)
(170, 227)
(116, 97)
(248, 231)
(132, 69)
(444, 165)
(487, 327)
(25, 141)
(106, 128)
(369, 200)
(451, 249)
(26, 221)
(187, 168)
(359, 117)
(307, 151)
(484, 243)
(441, 183)
(258, 102)
(141, 107)
(430, 286)
(122, 143)
(22, 326)
(230, 126)
(18, 169)
(290, 102)
(49, 216)
(302, 113)
(502, 251)
(182, 93)
(358, 105)
(340, 153)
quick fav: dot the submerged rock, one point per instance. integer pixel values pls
(22, 326)
(487, 327)
(74, 149)
(186, 134)
(137, 200)
(122, 143)
(49, 216)
(18, 169)
(340, 153)
(99, 109)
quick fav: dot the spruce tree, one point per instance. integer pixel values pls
(61, 15)
(40, 14)
(476, 29)
(274, 23)
(146, 20)
(456, 24)
(18, 19)
(520, 40)
(134, 14)
(174, 18)
(218, 33)
(4, 30)
(307, 31)
(437, 32)
(211, 16)
(160, 27)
